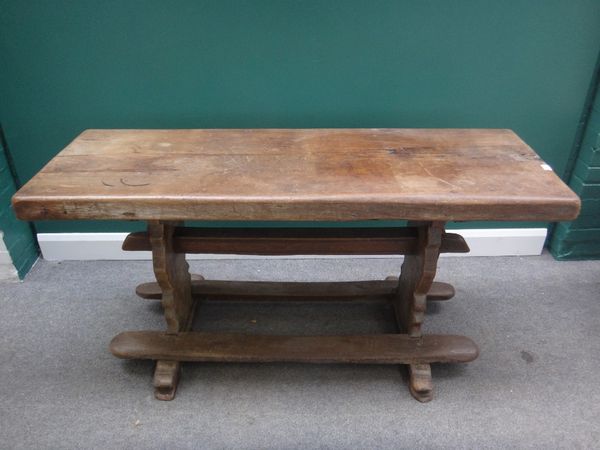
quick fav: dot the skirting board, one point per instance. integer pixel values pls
(7, 269)
(107, 246)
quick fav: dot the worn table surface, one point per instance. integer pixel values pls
(311, 174)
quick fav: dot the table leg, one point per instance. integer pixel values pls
(409, 294)
(173, 277)
(410, 299)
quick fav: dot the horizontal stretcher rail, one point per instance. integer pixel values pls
(371, 290)
(366, 349)
(297, 241)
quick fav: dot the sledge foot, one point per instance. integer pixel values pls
(419, 383)
(166, 378)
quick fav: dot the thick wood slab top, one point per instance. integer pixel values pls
(313, 174)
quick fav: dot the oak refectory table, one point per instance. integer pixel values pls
(425, 176)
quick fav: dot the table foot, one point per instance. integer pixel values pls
(419, 383)
(166, 379)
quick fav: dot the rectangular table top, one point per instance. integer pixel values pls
(297, 174)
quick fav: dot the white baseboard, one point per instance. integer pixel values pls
(107, 246)
(8, 272)
(7, 268)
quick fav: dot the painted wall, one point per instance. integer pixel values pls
(72, 65)
(18, 249)
(580, 239)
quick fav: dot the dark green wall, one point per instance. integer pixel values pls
(71, 65)
(17, 235)
(580, 239)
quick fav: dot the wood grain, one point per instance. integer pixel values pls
(416, 279)
(370, 290)
(420, 383)
(174, 280)
(297, 241)
(166, 379)
(172, 276)
(311, 174)
(365, 349)
(410, 300)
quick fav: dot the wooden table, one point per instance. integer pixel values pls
(165, 177)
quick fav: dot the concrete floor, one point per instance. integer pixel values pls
(536, 383)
